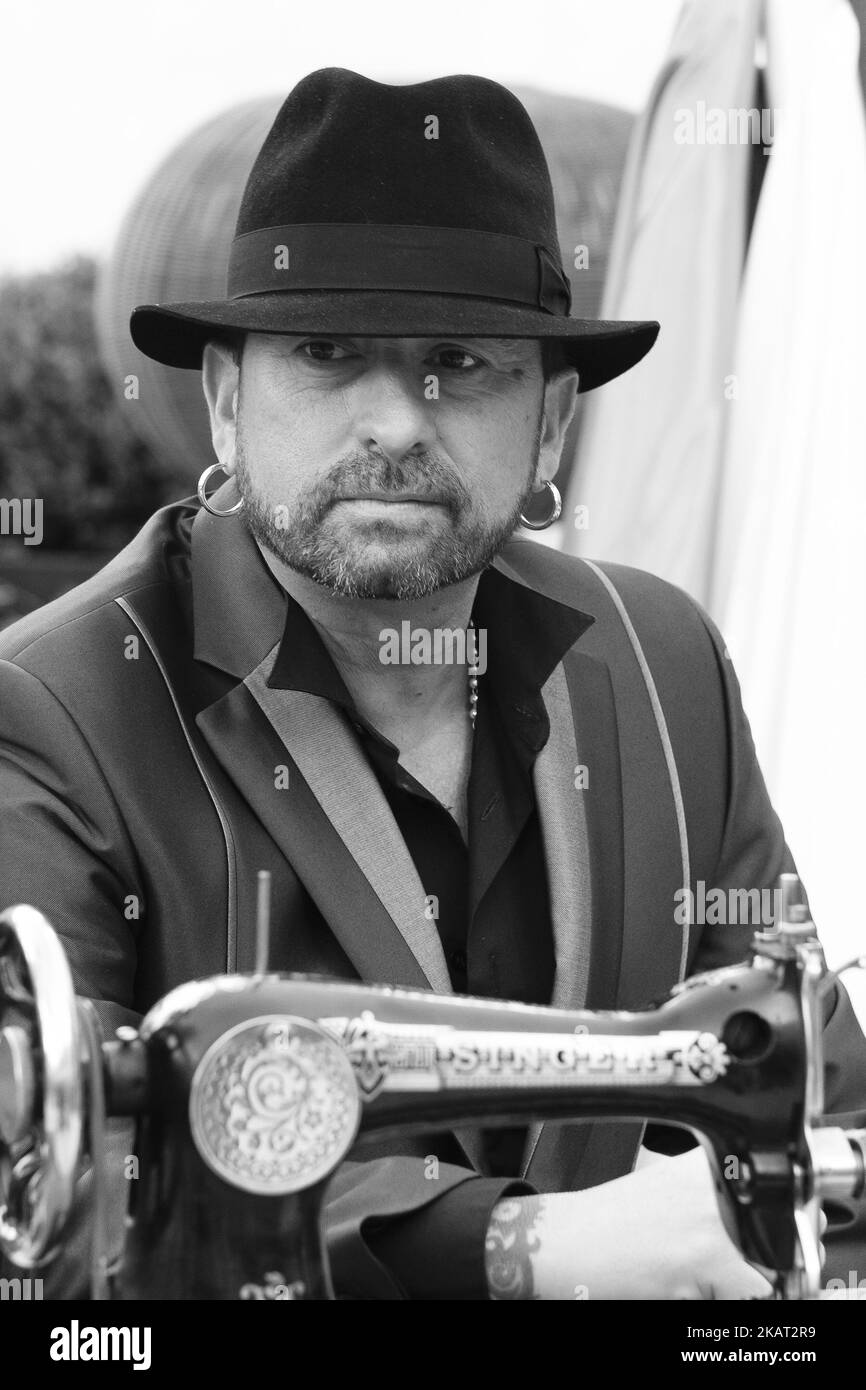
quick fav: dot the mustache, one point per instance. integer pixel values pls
(424, 475)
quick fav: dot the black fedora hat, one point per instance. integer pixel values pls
(400, 211)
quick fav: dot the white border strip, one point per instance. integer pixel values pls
(231, 906)
(667, 747)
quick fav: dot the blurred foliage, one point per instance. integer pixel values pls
(63, 435)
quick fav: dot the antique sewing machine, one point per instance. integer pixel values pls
(249, 1091)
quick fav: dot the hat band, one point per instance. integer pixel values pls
(371, 256)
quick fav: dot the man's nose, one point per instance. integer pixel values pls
(392, 415)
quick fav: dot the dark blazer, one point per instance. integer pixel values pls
(139, 747)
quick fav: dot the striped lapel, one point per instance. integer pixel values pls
(562, 815)
(577, 789)
(321, 743)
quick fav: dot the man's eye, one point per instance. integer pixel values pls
(323, 350)
(457, 359)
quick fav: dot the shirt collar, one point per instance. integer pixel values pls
(527, 634)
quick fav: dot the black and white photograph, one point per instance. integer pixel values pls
(433, 670)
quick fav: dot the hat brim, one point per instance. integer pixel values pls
(599, 349)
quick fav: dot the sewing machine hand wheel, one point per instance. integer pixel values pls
(41, 1101)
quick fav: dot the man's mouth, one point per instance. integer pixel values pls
(392, 497)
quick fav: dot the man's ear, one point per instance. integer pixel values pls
(220, 376)
(560, 400)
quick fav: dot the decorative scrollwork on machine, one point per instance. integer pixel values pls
(274, 1105)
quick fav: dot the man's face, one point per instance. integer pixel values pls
(387, 467)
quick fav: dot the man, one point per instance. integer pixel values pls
(388, 381)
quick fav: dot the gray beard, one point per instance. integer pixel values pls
(301, 538)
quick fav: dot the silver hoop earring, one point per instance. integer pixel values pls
(202, 484)
(555, 514)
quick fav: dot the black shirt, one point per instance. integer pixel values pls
(489, 899)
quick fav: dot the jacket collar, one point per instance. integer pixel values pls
(238, 606)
